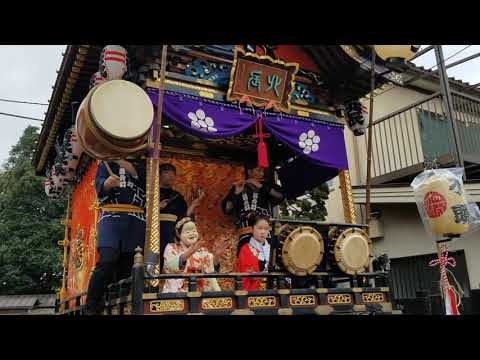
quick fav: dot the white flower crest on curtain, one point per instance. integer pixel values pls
(202, 122)
(309, 142)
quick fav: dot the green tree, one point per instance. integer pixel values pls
(310, 206)
(30, 225)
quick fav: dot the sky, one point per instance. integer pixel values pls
(27, 73)
(468, 71)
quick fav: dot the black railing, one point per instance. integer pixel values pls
(124, 291)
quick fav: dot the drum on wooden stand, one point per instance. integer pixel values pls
(300, 249)
(113, 120)
(349, 250)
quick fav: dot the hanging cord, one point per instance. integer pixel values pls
(457, 289)
(431, 164)
(448, 290)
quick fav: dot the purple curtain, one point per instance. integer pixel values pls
(320, 143)
(202, 117)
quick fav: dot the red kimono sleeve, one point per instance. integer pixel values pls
(247, 262)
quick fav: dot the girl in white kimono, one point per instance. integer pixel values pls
(188, 255)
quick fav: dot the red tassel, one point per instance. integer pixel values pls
(262, 155)
(453, 303)
(262, 147)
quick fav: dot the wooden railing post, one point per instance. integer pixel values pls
(138, 282)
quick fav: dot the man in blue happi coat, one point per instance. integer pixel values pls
(120, 187)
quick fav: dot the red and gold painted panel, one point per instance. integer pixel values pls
(216, 178)
(82, 248)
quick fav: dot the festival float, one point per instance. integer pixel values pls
(206, 109)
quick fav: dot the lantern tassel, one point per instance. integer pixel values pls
(449, 298)
(452, 301)
(262, 146)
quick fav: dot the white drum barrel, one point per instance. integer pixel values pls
(350, 250)
(114, 119)
(302, 250)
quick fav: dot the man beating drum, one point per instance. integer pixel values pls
(120, 187)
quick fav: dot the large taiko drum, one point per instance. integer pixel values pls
(113, 120)
(349, 250)
(302, 249)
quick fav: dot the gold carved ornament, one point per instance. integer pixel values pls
(172, 305)
(347, 197)
(335, 299)
(217, 303)
(152, 243)
(373, 297)
(262, 301)
(301, 300)
(241, 55)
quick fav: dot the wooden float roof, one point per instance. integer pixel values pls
(342, 68)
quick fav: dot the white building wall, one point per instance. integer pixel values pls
(405, 235)
(334, 204)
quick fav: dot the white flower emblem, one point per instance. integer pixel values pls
(202, 122)
(309, 142)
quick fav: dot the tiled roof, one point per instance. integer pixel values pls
(26, 301)
(462, 85)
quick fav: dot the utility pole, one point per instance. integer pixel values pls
(448, 104)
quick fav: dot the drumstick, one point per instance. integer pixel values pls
(171, 199)
(109, 169)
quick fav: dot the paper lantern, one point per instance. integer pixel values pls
(396, 52)
(96, 79)
(356, 115)
(113, 62)
(445, 205)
